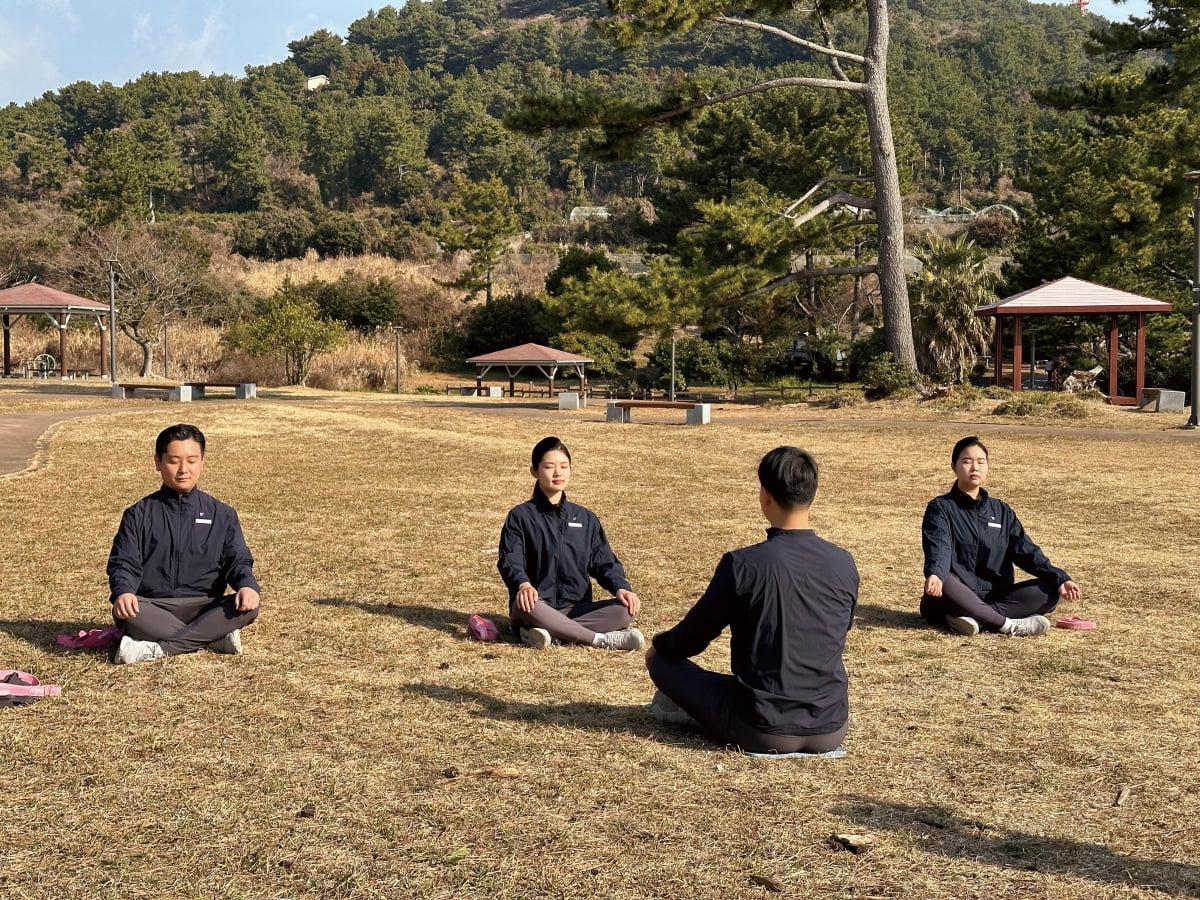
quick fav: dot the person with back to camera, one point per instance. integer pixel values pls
(180, 574)
(788, 603)
(971, 542)
(550, 550)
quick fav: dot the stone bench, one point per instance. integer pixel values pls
(697, 413)
(181, 393)
(244, 390)
(1161, 400)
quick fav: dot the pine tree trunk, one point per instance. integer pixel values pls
(889, 208)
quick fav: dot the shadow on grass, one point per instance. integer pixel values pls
(587, 716)
(450, 621)
(868, 616)
(41, 632)
(941, 832)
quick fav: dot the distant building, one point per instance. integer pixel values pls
(317, 81)
(585, 213)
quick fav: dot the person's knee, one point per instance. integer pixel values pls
(250, 615)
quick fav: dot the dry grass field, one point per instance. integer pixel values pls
(363, 747)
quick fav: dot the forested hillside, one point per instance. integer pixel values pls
(392, 139)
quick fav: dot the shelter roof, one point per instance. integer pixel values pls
(529, 355)
(1068, 296)
(37, 298)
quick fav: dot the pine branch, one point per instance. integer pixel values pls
(793, 39)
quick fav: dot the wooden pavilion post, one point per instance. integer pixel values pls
(7, 346)
(998, 351)
(1017, 339)
(479, 385)
(62, 345)
(1140, 355)
(1114, 340)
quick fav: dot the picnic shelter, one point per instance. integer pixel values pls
(544, 359)
(1075, 297)
(60, 307)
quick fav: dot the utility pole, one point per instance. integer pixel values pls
(112, 320)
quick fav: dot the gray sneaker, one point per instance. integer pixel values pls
(963, 625)
(537, 638)
(667, 710)
(131, 651)
(231, 644)
(1030, 626)
(629, 639)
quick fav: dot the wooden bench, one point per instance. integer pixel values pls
(125, 391)
(697, 413)
(241, 390)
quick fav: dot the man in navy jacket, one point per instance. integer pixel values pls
(180, 574)
(788, 603)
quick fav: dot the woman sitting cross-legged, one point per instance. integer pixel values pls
(971, 542)
(550, 550)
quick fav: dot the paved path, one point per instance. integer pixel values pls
(24, 437)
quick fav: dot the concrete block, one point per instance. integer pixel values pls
(568, 400)
(181, 394)
(494, 391)
(616, 413)
(120, 393)
(700, 414)
(246, 391)
(1161, 400)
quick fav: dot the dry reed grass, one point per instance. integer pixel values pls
(984, 768)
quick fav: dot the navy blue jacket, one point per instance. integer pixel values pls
(559, 550)
(788, 603)
(179, 545)
(979, 542)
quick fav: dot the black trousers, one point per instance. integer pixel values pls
(1025, 598)
(577, 624)
(709, 698)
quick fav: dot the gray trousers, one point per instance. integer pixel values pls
(708, 697)
(1025, 598)
(185, 624)
(577, 624)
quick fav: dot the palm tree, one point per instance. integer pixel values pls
(954, 281)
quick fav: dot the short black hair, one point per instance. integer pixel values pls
(789, 475)
(544, 446)
(963, 445)
(178, 432)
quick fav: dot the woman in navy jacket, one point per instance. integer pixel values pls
(971, 542)
(550, 550)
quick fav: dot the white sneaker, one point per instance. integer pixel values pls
(131, 651)
(1030, 626)
(537, 638)
(963, 625)
(231, 644)
(667, 710)
(629, 639)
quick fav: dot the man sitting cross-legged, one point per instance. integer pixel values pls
(177, 553)
(788, 603)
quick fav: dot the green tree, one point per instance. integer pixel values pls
(288, 326)
(861, 75)
(955, 280)
(479, 220)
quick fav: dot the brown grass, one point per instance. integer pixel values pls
(984, 768)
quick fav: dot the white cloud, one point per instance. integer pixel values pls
(143, 31)
(27, 67)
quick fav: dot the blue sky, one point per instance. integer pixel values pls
(48, 44)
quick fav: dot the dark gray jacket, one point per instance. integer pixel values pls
(559, 550)
(788, 603)
(979, 542)
(179, 545)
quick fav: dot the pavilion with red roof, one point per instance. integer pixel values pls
(1075, 297)
(37, 299)
(546, 360)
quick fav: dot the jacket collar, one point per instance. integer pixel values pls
(962, 498)
(170, 496)
(543, 504)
